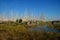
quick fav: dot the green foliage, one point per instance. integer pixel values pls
(19, 20)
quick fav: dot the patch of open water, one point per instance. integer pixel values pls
(44, 29)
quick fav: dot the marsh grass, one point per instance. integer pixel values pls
(19, 32)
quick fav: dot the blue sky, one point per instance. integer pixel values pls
(36, 7)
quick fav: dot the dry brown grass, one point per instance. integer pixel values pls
(19, 32)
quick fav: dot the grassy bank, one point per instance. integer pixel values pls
(20, 32)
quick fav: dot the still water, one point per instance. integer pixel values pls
(44, 29)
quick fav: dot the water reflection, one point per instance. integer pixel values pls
(44, 29)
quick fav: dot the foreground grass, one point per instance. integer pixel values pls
(20, 32)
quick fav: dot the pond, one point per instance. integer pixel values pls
(44, 29)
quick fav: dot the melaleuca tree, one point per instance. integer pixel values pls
(17, 20)
(20, 20)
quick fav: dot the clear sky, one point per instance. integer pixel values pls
(48, 7)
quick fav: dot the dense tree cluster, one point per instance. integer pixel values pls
(19, 20)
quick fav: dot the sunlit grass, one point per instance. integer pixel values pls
(19, 32)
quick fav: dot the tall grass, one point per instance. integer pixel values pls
(19, 32)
